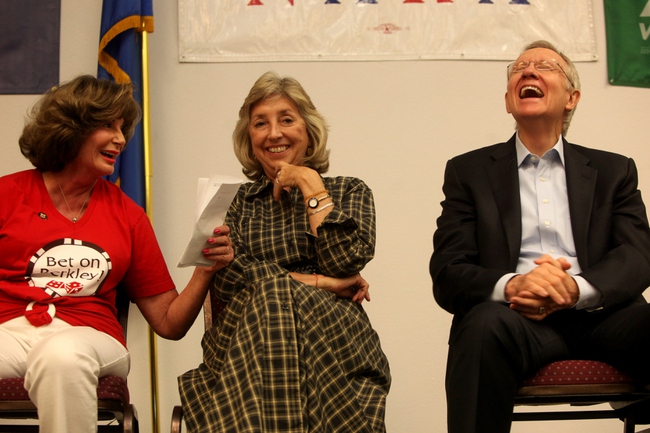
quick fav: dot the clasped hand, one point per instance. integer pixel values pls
(544, 290)
(295, 176)
(355, 287)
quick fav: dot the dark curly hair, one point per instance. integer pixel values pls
(66, 115)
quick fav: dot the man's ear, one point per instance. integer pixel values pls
(574, 98)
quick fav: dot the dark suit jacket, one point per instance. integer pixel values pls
(479, 231)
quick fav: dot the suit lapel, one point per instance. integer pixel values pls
(504, 183)
(581, 185)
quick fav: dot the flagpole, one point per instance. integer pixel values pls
(153, 346)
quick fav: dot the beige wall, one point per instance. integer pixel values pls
(394, 124)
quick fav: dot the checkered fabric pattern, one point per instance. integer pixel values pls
(285, 356)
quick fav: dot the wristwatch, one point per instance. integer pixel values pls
(312, 203)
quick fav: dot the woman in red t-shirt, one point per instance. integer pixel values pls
(68, 237)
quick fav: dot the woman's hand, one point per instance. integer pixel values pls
(220, 250)
(171, 314)
(296, 176)
(310, 184)
(354, 287)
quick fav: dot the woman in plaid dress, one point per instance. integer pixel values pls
(293, 351)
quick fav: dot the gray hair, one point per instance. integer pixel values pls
(268, 86)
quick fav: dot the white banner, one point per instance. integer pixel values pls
(312, 30)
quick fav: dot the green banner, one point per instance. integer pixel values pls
(627, 24)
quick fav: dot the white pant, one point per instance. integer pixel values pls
(61, 365)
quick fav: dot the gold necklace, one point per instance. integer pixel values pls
(76, 218)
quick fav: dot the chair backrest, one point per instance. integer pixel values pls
(212, 307)
(122, 303)
(207, 310)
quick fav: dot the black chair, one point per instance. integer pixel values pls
(112, 393)
(585, 383)
(212, 307)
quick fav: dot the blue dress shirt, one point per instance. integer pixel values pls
(546, 221)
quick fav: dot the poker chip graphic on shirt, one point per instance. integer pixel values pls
(69, 267)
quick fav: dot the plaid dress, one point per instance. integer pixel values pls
(285, 356)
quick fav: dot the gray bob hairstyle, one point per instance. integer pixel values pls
(268, 86)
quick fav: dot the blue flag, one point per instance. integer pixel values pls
(120, 59)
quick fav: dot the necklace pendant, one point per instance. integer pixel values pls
(90, 191)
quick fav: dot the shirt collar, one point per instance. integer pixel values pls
(259, 185)
(522, 152)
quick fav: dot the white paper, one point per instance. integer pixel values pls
(213, 197)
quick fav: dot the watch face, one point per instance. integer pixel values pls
(312, 203)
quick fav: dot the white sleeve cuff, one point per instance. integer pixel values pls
(590, 297)
(499, 292)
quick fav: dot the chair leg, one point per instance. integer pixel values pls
(177, 418)
(130, 420)
(629, 424)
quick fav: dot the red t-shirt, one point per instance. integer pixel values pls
(76, 266)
